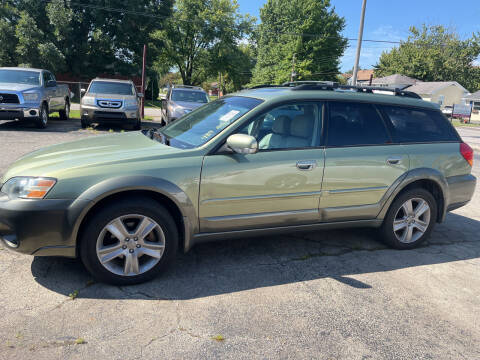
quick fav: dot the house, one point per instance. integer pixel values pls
(395, 81)
(444, 93)
(363, 77)
(474, 100)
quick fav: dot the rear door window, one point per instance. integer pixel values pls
(355, 124)
(411, 125)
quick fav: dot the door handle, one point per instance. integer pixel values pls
(394, 160)
(306, 165)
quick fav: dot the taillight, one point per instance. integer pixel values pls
(467, 153)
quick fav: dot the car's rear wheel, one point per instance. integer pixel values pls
(410, 219)
(42, 120)
(129, 242)
(65, 113)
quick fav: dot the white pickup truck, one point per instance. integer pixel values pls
(32, 94)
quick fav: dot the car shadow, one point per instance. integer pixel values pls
(233, 266)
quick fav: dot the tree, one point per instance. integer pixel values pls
(201, 38)
(308, 29)
(434, 53)
(82, 38)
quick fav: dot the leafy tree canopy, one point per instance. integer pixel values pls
(317, 50)
(434, 53)
(86, 39)
(201, 39)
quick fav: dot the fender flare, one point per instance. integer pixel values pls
(409, 178)
(90, 197)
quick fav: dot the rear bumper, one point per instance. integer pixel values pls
(461, 189)
(39, 227)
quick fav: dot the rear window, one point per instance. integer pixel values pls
(355, 124)
(419, 125)
(189, 96)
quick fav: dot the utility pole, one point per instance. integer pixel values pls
(143, 79)
(359, 43)
(294, 74)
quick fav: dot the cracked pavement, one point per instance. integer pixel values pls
(325, 295)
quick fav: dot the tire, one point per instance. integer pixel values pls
(131, 212)
(42, 120)
(138, 125)
(84, 123)
(65, 113)
(413, 226)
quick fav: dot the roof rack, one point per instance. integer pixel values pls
(364, 89)
(186, 87)
(307, 82)
(263, 86)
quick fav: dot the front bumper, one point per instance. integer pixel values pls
(39, 227)
(461, 189)
(99, 115)
(19, 112)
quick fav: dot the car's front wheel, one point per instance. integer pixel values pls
(129, 241)
(42, 120)
(410, 219)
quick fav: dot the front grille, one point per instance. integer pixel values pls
(112, 104)
(108, 115)
(9, 99)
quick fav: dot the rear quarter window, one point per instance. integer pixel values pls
(412, 125)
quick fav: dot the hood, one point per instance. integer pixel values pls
(111, 96)
(17, 87)
(188, 104)
(90, 152)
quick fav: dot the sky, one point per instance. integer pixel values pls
(390, 20)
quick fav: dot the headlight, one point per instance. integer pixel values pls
(28, 187)
(33, 96)
(130, 102)
(87, 100)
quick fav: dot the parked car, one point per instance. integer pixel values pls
(181, 100)
(32, 94)
(108, 101)
(125, 203)
(447, 110)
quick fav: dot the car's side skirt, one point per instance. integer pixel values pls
(205, 237)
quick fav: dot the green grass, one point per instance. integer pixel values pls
(457, 123)
(74, 114)
(153, 103)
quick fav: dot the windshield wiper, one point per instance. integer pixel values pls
(157, 135)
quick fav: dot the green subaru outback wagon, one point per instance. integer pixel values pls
(262, 161)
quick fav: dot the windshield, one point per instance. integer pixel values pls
(20, 77)
(103, 87)
(198, 127)
(189, 96)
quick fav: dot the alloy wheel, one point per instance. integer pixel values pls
(130, 245)
(411, 220)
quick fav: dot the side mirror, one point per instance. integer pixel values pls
(51, 83)
(140, 95)
(242, 144)
(82, 92)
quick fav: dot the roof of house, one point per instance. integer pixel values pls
(474, 96)
(431, 87)
(364, 75)
(395, 79)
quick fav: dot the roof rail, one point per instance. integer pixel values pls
(263, 86)
(307, 82)
(187, 87)
(364, 89)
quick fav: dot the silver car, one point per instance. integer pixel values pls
(111, 101)
(180, 100)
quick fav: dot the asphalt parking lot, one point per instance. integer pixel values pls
(325, 295)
